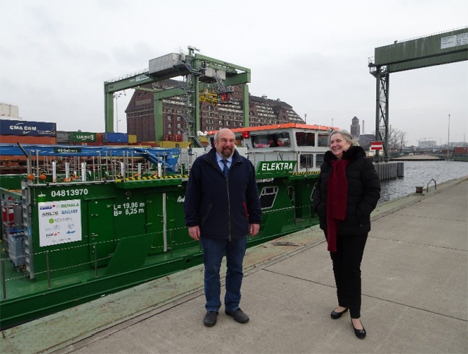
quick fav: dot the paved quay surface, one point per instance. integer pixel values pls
(415, 296)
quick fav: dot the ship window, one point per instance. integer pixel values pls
(319, 160)
(264, 140)
(323, 140)
(307, 161)
(305, 139)
(268, 196)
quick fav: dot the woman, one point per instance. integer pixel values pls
(345, 194)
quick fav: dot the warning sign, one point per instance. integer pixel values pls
(376, 145)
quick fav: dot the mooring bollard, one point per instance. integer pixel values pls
(419, 190)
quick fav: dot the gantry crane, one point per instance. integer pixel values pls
(199, 73)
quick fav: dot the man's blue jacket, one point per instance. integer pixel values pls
(222, 207)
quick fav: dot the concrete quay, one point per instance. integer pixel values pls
(415, 296)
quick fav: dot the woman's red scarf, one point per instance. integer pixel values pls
(337, 199)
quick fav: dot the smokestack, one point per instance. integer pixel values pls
(363, 132)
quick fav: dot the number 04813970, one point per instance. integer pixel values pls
(69, 192)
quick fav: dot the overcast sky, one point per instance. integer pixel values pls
(55, 56)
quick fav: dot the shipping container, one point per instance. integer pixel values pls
(132, 138)
(182, 144)
(143, 145)
(460, 150)
(165, 64)
(63, 137)
(83, 137)
(27, 128)
(115, 138)
(95, 143)
(28, 139)
(115, 144)
(174, 144)
(8, 110)
(177, 137)
(150, 143)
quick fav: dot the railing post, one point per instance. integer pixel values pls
(95, 260)
(48, 269)
(3, 279)
(435, 185)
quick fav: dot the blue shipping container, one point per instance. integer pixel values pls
(22, 127)
(115, 137)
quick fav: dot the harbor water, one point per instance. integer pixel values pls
(420, 173)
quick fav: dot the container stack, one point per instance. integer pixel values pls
(115, 138)
(27, 132)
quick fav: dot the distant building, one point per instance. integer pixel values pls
(427, 144)
(214, 115)
(9, 111)
(363, 139)
(355, 128)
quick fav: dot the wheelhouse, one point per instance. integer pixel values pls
(302, 143)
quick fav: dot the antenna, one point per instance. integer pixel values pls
(192, 49)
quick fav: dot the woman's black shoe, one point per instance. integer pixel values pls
(360, 333)
(336, 315)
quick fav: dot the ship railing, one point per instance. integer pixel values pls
(17, 274)
(81, 163)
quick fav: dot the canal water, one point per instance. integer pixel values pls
(419, 173)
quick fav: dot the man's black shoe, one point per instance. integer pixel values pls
(210, 318)
(238, 315)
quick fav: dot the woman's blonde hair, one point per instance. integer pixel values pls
(346, 136)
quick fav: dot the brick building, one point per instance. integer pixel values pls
(213, 116)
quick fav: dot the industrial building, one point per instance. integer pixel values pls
(215, 113)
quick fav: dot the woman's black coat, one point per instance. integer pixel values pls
(363, 192)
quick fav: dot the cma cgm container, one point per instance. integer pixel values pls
(115, 138)
(27, 128)
(28, 139)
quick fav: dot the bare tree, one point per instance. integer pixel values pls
(396, 139)
(402, 140)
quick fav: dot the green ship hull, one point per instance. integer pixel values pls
(68, 241)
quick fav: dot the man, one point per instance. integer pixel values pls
(221, 207)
